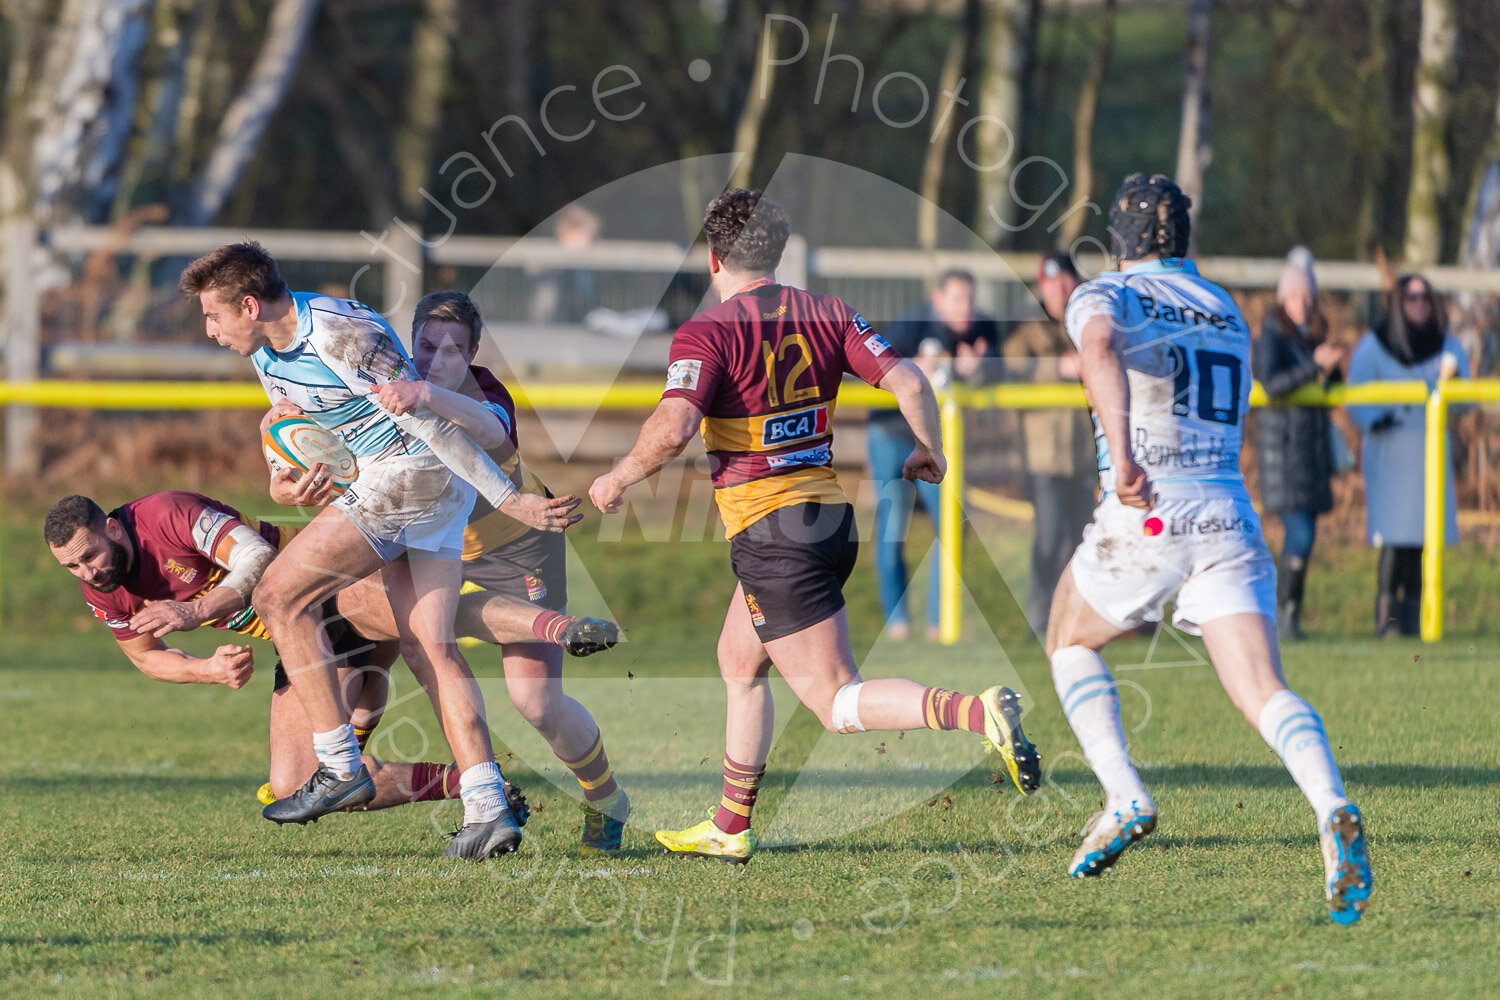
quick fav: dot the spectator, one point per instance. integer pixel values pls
(946, 326)
(1060, 460)
(1412, 342)
(567, 295)
(1294, 444)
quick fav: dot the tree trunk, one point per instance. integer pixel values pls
(1193, 151)
(1431, 106)
(1083, 126)
(165, 73)
(250, 112)
(431, 57)
(937, 148)
(84, 116)
(996, 128)
(747, 130)
(1481, 247)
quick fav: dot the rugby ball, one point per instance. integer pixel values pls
(298, 443)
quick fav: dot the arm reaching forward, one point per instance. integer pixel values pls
(666, 432)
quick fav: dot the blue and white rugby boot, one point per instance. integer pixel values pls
(1346, 863)
(1107, 834)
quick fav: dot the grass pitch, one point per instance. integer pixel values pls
(137, 863)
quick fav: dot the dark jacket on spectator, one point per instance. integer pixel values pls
(1294, 451)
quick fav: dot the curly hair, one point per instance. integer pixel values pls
(234, 271)
(746, 230)
(68, 515)
(449, 307)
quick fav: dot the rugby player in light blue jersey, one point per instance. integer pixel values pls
(1165, 357)
(404, 515)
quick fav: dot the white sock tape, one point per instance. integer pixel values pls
(846, 708)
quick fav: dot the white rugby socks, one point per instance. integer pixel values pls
(338, 750)
(483, 792)
(1089, 700)
(1291, 728)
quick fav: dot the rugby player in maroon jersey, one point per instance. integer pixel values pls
(173, 561)
(760, 374)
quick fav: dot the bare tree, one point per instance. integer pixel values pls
(747, 130)
(1193, 151)
(251, 110)
(1004, 54)
(431, 56)
(1432, 106)
(83, 108)
(937, 148)
(1083, 123)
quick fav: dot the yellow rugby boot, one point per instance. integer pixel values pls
(707, 841)
(1002, 733)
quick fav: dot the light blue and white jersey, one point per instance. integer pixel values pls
(342, 351)
(1186, 350)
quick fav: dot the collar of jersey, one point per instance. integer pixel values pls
(1164, 265)
(304, 322)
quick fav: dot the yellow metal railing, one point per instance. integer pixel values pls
(953, 400)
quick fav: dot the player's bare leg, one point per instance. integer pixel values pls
(745, 667)
(533, 678)
(424, 597)
(322, 559)
(1075, 633)
(1244, 651)
(319, 561)
(748, 725)
(501, 620)
(483, 615)
(817, 662)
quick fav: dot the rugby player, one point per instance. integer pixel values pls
(174, 561)
(760, 374)
(404, 516)
(502, 555)
(1165, 358)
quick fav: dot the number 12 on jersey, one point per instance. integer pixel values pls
(776, 358)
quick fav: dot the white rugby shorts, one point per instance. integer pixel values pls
(1205, 554)
(409, 502)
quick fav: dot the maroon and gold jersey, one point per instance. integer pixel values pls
(489, 528)
(765, 367)
(174, 535)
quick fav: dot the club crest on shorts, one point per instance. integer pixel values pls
(536, 587)
(757, 616)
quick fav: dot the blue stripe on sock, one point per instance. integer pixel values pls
(1106, 689)
(1281, 726)
(1087, 680)
(1309, 728)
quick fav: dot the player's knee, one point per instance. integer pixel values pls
(265, 596)
(840, 714)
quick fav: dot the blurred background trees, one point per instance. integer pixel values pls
(1347, 125)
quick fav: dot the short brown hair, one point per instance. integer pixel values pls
(234, 271)
(450, 307)
(746, 230)
(68, 515)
